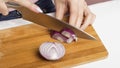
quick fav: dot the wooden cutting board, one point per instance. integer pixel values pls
(19, 48)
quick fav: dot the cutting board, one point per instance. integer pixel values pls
(19, 48)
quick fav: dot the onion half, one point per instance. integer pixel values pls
(52, 50)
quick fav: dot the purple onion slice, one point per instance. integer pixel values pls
(69, 40)
(65, 35)
(68, 33)
(56, 35)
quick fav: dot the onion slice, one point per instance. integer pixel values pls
(52, 50)
(56, 35)
(65, 35)
(68, 33)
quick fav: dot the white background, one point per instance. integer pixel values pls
(107, 25)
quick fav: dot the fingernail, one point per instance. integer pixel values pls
(39, 10)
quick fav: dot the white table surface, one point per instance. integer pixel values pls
(107, 25)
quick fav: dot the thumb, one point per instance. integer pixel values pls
(3, 8)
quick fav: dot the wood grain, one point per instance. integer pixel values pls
(20, 48)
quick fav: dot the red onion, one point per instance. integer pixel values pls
(56, 35)
(65, 35)
(68, 33)
(69, 40)
(52, 50)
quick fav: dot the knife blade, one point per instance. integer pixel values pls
(51, 22)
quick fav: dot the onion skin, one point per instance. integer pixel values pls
(52, 50)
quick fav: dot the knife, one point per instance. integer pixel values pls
(50, 22)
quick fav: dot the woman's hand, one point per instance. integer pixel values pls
(26, 3)
(80, 14)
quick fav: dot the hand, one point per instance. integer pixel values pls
(26, 3)
(80, 14)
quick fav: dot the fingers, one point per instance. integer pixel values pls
(28, 4)
(93, 18)
(80, 16)
(73, 12)
(89, 19)
(60, 10)
(79, 21)
(3, 8)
